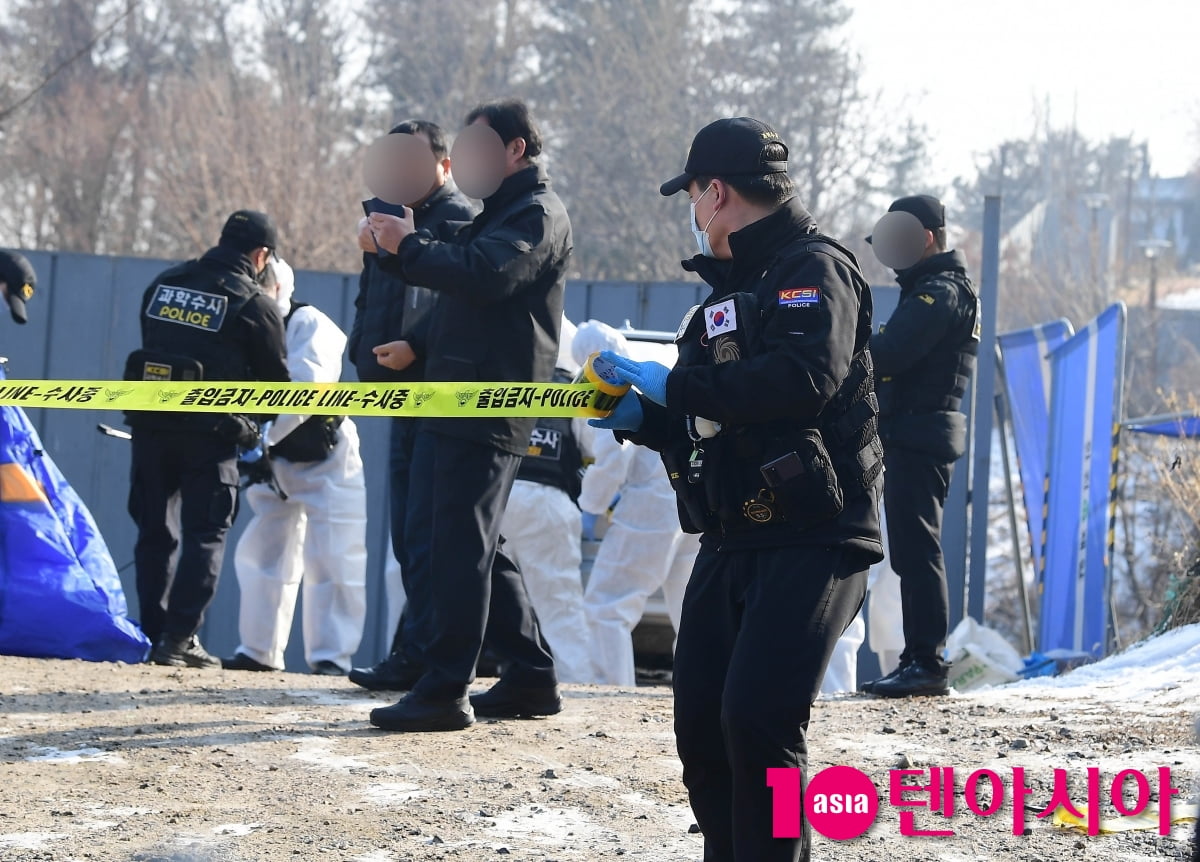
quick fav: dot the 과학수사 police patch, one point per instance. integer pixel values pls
(188, 307)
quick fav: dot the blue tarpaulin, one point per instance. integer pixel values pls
(1168, 425)
(60, 594)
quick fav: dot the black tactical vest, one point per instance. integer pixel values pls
(192, 312)
(554, 457)
(938, 381)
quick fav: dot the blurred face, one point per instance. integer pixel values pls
(514, 151)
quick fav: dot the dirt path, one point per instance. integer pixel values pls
(139, 762)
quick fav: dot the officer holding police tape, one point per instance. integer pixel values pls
(767, 428)
(205, 319)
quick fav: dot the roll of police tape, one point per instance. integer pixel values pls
(478, 400)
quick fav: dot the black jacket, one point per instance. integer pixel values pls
(212, 311)
(386, 308)
(500, 282)
(794, 362)
(924, 357)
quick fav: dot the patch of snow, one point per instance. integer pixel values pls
(1165, 669)
(1188, 300)
(392, 794)
(375, 856)
(29, 840)
(49, 754)
(541, 825)
(236, 828)
(315, 750)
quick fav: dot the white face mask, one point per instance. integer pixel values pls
(701, 233)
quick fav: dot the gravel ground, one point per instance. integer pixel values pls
(108, 761)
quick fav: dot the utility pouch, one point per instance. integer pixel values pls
(802, 483)
(313, 440)
(689, 496)
(159, 365)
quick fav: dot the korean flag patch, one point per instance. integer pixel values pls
(720, 318)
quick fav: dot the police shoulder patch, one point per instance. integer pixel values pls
(800, 297)
(926, 298)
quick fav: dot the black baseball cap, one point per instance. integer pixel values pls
(250, 229)
(20, 279)
(928, 210)
(732, 147)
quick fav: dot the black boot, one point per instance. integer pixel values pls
(394, 673)
(915, 679)
(504, 700)
(418, 713)
(186, 652)
(241, 661)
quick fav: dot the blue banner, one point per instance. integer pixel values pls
(1085, 419)
(1025, 366)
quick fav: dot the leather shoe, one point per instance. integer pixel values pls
(416, 713)
(183, 653)
(504, 700)
(394, 673)
(325, 667)
(241, 661)
(914, 679)
(869, 686)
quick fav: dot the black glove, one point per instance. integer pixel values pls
(239, 429)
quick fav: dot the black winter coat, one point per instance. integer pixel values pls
(500, 282)
(388, 309)
(809, 328)
(924, 358)
(238, 335)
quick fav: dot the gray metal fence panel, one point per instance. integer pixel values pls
(83, 323)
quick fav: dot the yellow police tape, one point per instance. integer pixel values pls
(477, 400)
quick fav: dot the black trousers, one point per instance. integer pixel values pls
(757, 631)
(415, 624)
(458, 491)
(202, 469)
(914, 494)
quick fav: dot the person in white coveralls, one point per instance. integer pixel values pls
(542, 526)
(643, 548)
(317, 535)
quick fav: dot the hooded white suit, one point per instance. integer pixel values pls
(318, 534)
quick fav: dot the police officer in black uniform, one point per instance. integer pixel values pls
(924, 357)
(390, 310)
(767, 429)
(202, 320)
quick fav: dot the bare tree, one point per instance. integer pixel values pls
(617, 97)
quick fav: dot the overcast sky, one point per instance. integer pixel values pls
(976, 71)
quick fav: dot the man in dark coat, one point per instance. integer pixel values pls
(500, 282)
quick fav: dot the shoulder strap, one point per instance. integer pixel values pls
(296, 306)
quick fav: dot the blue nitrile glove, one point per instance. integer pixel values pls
(252, 456)
(649, 377)
(626, 416)
(589, 526)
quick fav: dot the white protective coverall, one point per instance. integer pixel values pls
(643, 548)
(886, 628)
(541, 530)
(318, 534)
